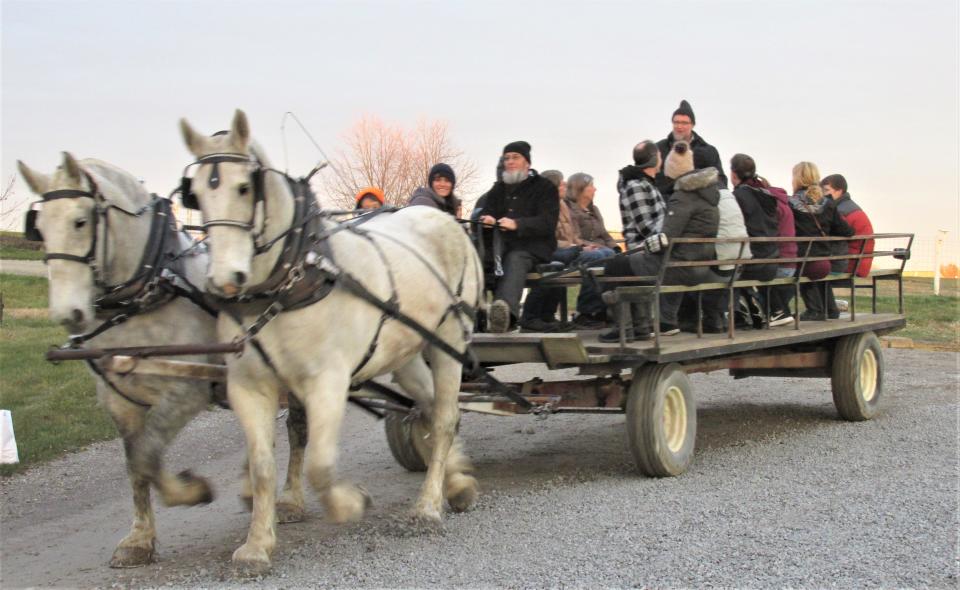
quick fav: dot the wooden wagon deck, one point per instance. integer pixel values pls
(570, 349)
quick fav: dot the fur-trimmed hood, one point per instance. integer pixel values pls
(704, 183)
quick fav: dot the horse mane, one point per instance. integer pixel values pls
(117, 186)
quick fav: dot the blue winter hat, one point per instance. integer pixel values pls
(441, 170)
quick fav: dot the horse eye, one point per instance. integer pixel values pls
(79, 223)
(244, 188)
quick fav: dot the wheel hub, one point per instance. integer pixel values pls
(674, 419)
(868, 375)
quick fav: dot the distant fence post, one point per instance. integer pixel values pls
(937, 252)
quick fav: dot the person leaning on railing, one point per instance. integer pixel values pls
(691, 213)
(815, 216)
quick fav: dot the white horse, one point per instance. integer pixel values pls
(97, 221)
(418, 255)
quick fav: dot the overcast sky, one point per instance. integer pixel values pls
(866, 89)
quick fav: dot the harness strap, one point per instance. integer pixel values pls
(96, 369)
(392, 309)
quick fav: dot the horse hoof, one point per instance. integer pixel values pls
(250, 561)
(346, 503)
(132, 556)
(427, 515)
(193, 490)
(287, 513)
(461, 491)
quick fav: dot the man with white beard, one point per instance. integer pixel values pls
(525, 207)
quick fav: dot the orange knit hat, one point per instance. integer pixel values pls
(373, 192)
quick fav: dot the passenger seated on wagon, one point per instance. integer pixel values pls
(835, 187)
(642, 207)
(691, 213)
(743, 173)
(716, 303)
(540, 306)
(760, 209)
(369, 197)
(439, 191)
(597, 244)
(525, 207)
(815, 216)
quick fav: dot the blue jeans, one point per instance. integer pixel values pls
(589, 300)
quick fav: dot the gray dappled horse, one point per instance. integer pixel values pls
(112, 250)
(418, 257)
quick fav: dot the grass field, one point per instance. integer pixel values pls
(54, 407)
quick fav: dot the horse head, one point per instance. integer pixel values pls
(228, 189)
(72, 223)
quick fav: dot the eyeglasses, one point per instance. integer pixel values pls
(683, 123)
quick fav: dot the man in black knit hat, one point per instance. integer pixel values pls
(524, 206)
(704, 154)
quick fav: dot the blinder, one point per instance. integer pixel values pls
(30, 230)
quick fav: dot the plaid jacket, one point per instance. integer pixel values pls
(642, 209)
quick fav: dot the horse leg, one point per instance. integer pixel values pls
(137, 548)
(290, 507)
(164, 421)
(255, 409)
(417, 380)
(325, 399)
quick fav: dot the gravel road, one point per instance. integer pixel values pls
(782, 494)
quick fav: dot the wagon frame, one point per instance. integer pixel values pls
(646, 380)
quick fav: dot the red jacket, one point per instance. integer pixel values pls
(858, 220)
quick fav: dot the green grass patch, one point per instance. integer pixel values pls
(54, 407)
(22, 291)
(14, 247)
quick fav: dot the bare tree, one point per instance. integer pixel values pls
(395, 159)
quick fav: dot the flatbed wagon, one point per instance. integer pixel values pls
(646, 380)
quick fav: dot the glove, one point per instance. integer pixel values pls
(655, 243)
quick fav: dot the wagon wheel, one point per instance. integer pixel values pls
(406, 439)
(661, 420)
(857, 376)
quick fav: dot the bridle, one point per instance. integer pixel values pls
(100, 216)
(190, 201)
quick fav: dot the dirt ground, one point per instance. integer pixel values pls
(782, 494)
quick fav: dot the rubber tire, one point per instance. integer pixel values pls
(645, 424)
(400, 439)
(845, 376)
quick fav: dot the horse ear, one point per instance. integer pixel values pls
(38, 183)
(71, 166)
(191, 138)
(240, 130)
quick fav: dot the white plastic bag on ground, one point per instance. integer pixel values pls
(8, 443)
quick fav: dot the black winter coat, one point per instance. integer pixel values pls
(704, 156)
(810, 218)
(760, 215)
(535, 205)
(692, 213)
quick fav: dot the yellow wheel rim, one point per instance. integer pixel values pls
(674, 418)
(868, 375)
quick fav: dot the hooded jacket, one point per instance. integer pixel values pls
(425, 196)
(816, 220)
(760, 215)
(692, 213)
(535, 205)
(704, 156)
(858, 220)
